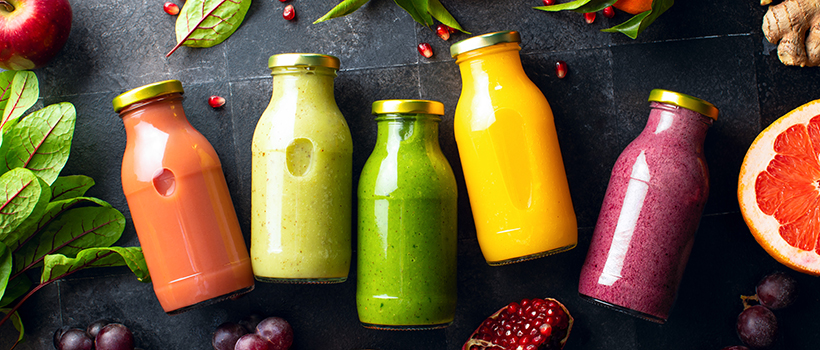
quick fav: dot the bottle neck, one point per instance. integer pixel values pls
(407, 130)
(293, 84)
(162, 112)
(498, 61)
(682, 126)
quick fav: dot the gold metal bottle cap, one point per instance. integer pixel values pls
(408, 107)
(145, 92)
(685, 101)
(484, 40)
(303, 59)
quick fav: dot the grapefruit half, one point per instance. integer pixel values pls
(779, 189)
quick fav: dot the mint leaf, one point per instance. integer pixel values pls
(22, 195)
(57, 265)
(75, 230)
(635, 25)
(205, 23)
(40, 142)
(345, 8)
(67, 187)
(22, 235)
(24, 93)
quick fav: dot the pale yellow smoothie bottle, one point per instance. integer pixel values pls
(509, 151)
(302, 179)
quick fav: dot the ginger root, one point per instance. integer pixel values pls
(795, 24)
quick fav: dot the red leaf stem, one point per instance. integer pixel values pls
(191, 32)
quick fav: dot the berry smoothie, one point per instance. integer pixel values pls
(651, 210)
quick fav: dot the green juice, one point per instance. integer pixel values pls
(407, 228)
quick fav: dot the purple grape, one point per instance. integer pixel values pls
(115, 336)
(58, 334)
(251, 321)
(95, 327)
(75, 339)
(253, 341)
(757, 327)
(776, 290)
(277, 331)
(226, 335)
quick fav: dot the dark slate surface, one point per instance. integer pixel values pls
(711, 49)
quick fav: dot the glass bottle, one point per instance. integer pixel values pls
(509, 151)
(407, 228)
(182, 210)
(651, 210)
(302, 180)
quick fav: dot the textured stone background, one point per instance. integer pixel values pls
(711, 49)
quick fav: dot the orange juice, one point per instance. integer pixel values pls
(179, 201)
(509, 151)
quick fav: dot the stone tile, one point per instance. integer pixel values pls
(781, 88)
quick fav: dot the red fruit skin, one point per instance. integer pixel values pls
(32, 34)
(549, 344)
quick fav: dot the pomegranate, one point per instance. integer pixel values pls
(537, 324)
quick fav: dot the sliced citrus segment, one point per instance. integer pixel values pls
(779, 189)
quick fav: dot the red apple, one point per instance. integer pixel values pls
(32, 32)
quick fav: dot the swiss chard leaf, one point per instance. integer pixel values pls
(67, 187)
(345, 8)
(18, 324)
(635, 25)
(580, 6)
(205, 23)
(6, 78)
(53, 210)
(57, 265)
(41, 141)
(21, 197)
(442, 15)
(75, 230)
(16, 288)
(24, 93)
(5, 268)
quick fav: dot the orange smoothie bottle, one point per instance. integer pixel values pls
(179, 201)
(509, 151)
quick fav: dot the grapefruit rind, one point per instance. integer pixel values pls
(764, 227)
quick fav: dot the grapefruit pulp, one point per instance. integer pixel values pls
(779, 189)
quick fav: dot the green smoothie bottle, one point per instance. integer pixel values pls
(407, 222)
(302, 182)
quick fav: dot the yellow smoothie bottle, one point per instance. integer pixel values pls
(510, 155)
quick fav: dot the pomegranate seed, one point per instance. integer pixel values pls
(425, 50)
(609, 12)
(283, 0)
(289, 13)
(171, 8)
(216, 101)
(549, 2)
(443, 31)
(560, 72)
(545, 329)
(589, 17)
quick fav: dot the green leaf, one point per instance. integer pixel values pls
(345, 8)
(67, 187)
(205, 23)
(5, 268)
(442, 15)
(57, 265)
(41, 141)
(75, 230)
(22, 197)
(6, 78)
(635, 25)
(418, 10)
(16, 288)
(24, 93)
(53, 210)
(18, 324)
(580, 6)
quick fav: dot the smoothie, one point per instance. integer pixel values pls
(180, 204)
(301, 180)
(651, 210)
(407, 230)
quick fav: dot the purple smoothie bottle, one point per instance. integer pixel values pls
(651, 211)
